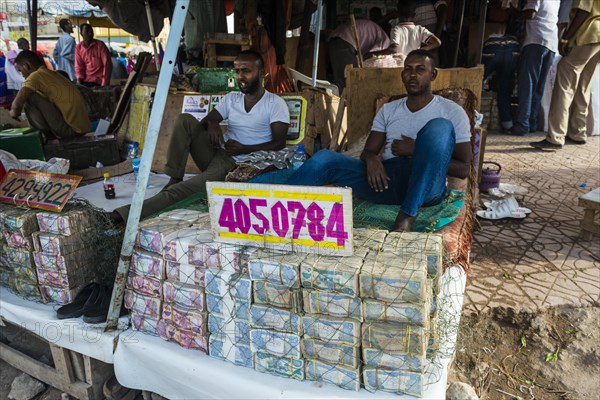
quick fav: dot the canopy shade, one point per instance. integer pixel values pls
(96, 22)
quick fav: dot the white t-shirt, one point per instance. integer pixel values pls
(409, 36)
(396, 120)
(542, 28)
(252, 127)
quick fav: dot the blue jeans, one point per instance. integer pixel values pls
(415, 181)
(500, 55)
(535, 63)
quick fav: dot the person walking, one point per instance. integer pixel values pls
(64, 52)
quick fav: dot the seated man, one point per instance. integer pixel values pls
(424, 137)
(258, 120)
(52, 102)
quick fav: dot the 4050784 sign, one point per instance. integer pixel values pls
(299, 218)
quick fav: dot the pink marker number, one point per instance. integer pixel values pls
(227, 218)
(298, 220)
(279, 216)
(242, 216)
(335, 225)
(264, 222)
(315, 215)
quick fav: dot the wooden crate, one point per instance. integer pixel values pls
(221, 47)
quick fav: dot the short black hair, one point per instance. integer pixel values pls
(30, 57)
(424, 53)
(407, 9)
(255, 55)
(21, 41)
(86, 24)
(63, 23)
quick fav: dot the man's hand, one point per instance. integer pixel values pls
(563, 48)
(234, 148)
(404, 147)
(378, 179)
(215, 134)
(14, 115)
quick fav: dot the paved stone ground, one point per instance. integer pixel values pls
(540, 261)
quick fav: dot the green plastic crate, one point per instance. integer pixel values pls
(27, 146)
(210, 80)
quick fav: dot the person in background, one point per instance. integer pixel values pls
(64, 52)
(342, 49)
(409, 36)
(537, 56)
(14, 79)
(51, 102)
(6, 95)
(580, 47)
(377, 16)
(93, 65)
(118, 69)
(123, 59)
(23, 44)
(432, 15)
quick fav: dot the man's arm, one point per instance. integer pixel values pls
(68, 50)
(442, 14)
(105, 56)
(393, 49)
(278, 135)
(19, 102)
(376, 175)
(461, 160)
(79, 64)
(211, 124)
(580, 17)
(432, 42)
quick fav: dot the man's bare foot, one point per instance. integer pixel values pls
(171, 182)
(403, 222)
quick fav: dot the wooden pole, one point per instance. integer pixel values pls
(356, 41)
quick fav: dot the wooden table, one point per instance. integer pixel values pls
(591, 206)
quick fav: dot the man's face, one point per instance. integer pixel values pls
(87, 34)
(69, 27)
(418, 74)
(24, 68)
(247, 74)
(24, 45)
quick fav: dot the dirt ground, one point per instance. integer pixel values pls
(550, 355)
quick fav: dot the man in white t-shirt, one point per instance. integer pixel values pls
(409, 36)
(257, 120)
(424, 138)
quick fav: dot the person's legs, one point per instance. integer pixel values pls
(44, 116)
(341, 53)
(567, 80)
(218, 168)
(505, 73)
(529, 72)
(429, 166)
(547, 58)
(581, 99)
(189, 137)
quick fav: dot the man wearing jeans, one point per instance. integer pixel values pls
(423, 137)
(257, 120)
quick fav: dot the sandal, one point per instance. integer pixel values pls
(511, 202)
(500, 211)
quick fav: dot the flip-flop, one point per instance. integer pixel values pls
(510, 201)
(501, 211)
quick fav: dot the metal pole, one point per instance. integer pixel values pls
(460, 28)
(152, 34)
(156, 115)
(317, 42)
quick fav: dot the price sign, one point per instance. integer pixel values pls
(299, 218)
(38, 189)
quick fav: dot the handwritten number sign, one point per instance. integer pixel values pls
(299, 218)
(38, 189)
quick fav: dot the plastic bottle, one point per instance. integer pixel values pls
(135, 163)
(299, 157)
(132, 150)
(109, 187)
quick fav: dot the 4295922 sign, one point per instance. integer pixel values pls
(298, 218)
(35, 189)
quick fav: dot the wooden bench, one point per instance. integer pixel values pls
(591, 210)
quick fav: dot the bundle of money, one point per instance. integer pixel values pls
(413, 313)
(280, 344)
(72, 263)
(394, 381)
(189, 320)
(393, 360)
(144, 285)
(198, 218)
(286, 367)
(394, 337)
(25, 288)
(19, 257)
(238, 329)
(152, 233)
(429, 244)
(222, 283)
(279, 268)
(5, 276)
(280, 319)
(179, 243)
(235, 258)
(143, 305)
(185, 296)
(331, 329)
(205, 255)
(402, 278)
(144, 323)
(56, 278)
(221, 346)
(334, 304)
(342, 376)
(58, 295)
(371, 239)
(227, 306)
(15, 219)
(147, 264)
(333, 274)
(18, 240)
(277, 295)
(24, 273)
(52, 243)
(187, 339)
(186, 273)
(332, 353)
(66, 223)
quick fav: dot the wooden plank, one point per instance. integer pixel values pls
(77, 363)
(96, 373)
(62, 362)
(44, 373)
(365, 85)
(337, 126)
